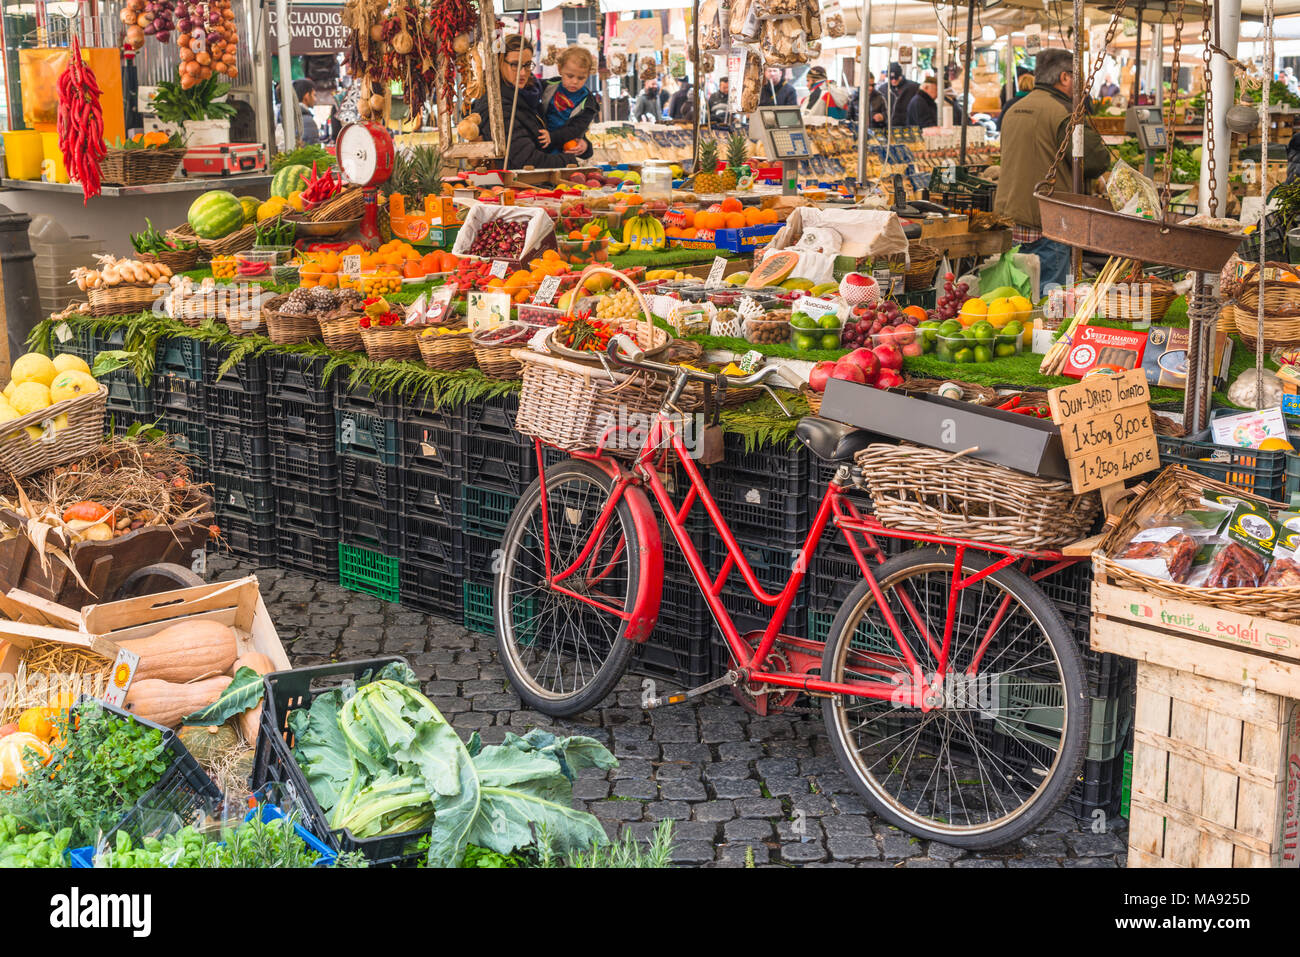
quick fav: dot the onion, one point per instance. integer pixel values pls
(127, 16)
(163, 36)
(135, 36)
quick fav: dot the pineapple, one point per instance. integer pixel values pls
(417, 173)
(706, 179)
(737, 157)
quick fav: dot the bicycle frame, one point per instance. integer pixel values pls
(835, 507)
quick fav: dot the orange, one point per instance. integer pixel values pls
(770, 216)
(413, 269)
(575, 234)
(689, 233)
(731, 205)
(634, 199)
(915, 312)
(329, 280)
(735, 221)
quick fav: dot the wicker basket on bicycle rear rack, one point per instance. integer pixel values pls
(942, 493)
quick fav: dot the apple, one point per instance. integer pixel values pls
(885, 336)
(844, 369)
(889, 357)
(889, 379)
(865, 360)
(821, 372)
(913, 349)
(904, 333)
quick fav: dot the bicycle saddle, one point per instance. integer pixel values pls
(832, 441)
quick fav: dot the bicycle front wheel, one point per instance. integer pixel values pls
(1004, 737)
(562, 654)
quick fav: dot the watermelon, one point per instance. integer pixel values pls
(250, 204)
(289, 179)
(216, 213)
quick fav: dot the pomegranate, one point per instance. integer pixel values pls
(820, 374)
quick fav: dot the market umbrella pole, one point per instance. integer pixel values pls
(1076, 131)
(864, 92)
(288, 102)
(965, 82)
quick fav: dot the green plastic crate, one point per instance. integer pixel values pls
(374, 573)
(1292, 478)
(1025, 705)
(479, 615)
(1126, 789)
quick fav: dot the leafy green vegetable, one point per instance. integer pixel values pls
(253, 843)
(303, 156)
(320, 748)
(173, 104)
(21, 848)
(244, 692)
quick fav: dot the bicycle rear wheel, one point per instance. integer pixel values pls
(562, 655)
(1006, 738)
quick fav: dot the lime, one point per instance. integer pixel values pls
(800, 321)
(943, 351)
(830, 340)
(1013, 328)
(963, 355)
(983, 354)
(983, 332)
(829, 321)
(950, 327)
(1004, 349)
(804, 341)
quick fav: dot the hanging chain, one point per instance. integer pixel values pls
(1077, 114)
(1211, 164)
(1173, 98)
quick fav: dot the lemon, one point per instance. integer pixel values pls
(972, 311)
(30, 397)
(7, 412)
(33, 367)
(1023, 306)
(65, 362)
(1000, 312)
(35, 432)
(1275, 444)
(9, 389)
(70, 384)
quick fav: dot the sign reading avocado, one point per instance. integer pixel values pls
(1106, 429)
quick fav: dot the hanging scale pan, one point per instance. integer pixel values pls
(365, 153)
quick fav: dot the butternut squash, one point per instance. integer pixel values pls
(166, 703)
(185, 651)
(249, 721)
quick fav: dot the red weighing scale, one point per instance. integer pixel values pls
(365, 154)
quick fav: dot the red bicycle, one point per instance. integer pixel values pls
(952, 691)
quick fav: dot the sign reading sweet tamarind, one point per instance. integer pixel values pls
(1106, 429)
(313, 28)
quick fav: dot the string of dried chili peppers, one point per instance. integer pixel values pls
(80, 123)
(450, 19)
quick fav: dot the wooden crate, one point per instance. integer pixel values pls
(1215, 773)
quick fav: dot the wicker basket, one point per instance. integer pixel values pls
(572, 406)
(655, 342)
(447, 353)
(288, 328)
(248, 323)
(349, 204)
(241, 239)
(1281, 300)
(922, 262)
(970, 391)
(139, 167)
(1129, 309)
(177, 260)
(814, 399)
(342, 335)
(21, 455)
(1172, 492)
(1108, 125)
(496, 358)
(926, 490)
(391, 342)
(125, 299)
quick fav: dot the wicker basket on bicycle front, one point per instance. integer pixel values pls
(926, 490)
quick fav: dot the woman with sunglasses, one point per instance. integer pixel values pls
(516, 74)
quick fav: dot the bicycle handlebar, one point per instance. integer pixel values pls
(631, 355)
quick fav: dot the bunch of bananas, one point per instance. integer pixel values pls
(643, 232)
(675, 275)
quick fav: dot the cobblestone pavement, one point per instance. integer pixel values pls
(730, 780)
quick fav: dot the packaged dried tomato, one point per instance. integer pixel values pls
(1236, 566)
(1283, 573)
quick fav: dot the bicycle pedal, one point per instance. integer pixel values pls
(730, 678)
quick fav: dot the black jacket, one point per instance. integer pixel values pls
(897, 99)
(877, 105)
(783, 95)
(579, 120)
(650, 104)
(678, 102)
(718, 107)
(525, 149)
(923, 111)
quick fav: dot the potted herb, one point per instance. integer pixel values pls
(197, 109)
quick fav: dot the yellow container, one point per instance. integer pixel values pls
(55, 171)
(23, 154)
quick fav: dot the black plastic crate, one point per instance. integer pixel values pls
(367, 435)
(176, 397)
(364, 480)
(106, 339)
(431, 498)
(296, 465)
(496, 464)
(1099, 787)
(678, 650)
(180, 356)
(306, 423)
(297, 378)
(306, 510)
(128, 398)
(234, 407)
(431, 586)
(494, 417)
(371, 526)
(237, 451)
(429, 412)
(1263, 473)
(486, 512)
(274, 761)
(360, 398)
(191, 439)
(80, 343)
(772, 565)
(249, 540)
(249, 500)
(317, 555)
(764, 492)
(787, 465)
(432, 447)
(433, 543)
(480, 557)
(248, 375)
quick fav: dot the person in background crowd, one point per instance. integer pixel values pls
(308, 131)
(876, 108)
(677, 102)
(898, 92)
(825, 99)
(719, 103)
(335, 123)
(650, 104)
(1023, 86)
(923, 110)
(1032, 132)
(568, 107)
(522, 94)
(777, 92)
(1109, 87)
